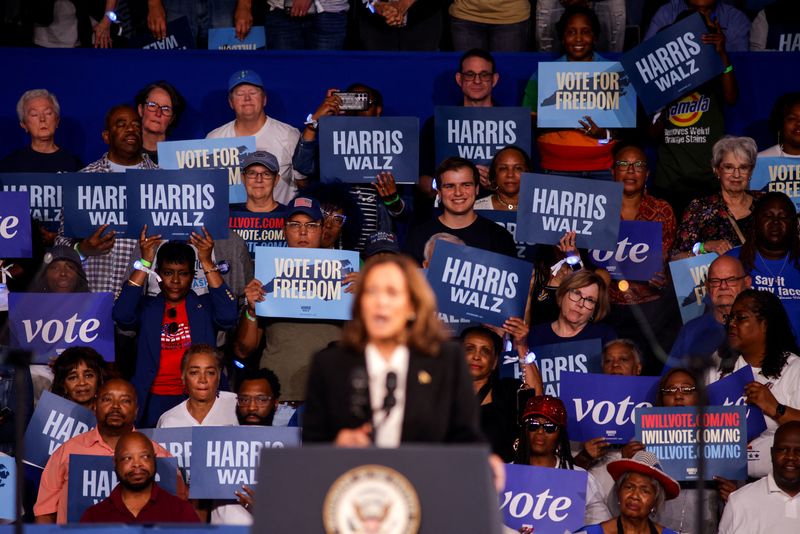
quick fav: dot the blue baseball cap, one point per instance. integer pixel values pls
(261, 157)
(244, 76)
(305, 205)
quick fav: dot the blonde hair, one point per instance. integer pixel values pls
(585, 278)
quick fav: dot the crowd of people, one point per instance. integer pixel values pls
(191, 349)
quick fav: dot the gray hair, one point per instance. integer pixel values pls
(660, 494)
(628, 344)
(743, 147)
(441, 236)
(200, 348)
(27, 96)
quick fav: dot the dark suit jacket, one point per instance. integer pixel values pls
(440, 403)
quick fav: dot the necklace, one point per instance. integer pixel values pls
(510, 206)
(764, 263)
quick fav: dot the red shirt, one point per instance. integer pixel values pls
(175, 339)
(163, 507)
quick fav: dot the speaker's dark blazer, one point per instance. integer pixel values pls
(440, 404)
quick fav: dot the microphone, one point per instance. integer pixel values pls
(390, 401)
(359, 395)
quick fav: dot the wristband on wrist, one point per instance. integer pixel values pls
(134, 284)
(214, 269)
(248, 316)
(395, 199)
(76, 249)
(146, 263)
(728, 69)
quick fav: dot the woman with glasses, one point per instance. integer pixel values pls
(719, 222)
(505, 175)
(543, 442)
(341, 224)
(160, 106)
(760, 335)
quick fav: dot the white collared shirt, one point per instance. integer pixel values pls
(388, 430)
(761, 508)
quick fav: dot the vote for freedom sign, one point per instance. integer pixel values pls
(15, 225)
(571, 90)
(689, 280)
(478, 133)
(778, 174)
(356, 149)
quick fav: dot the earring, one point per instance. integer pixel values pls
(412, 317)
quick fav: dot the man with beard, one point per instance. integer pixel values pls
(137, 498)
(257, 398)
(115, 410)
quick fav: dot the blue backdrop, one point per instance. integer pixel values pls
(88, 82)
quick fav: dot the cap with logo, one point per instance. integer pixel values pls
(381, 242)
(244, 76)
(261, 157)
(306, 206)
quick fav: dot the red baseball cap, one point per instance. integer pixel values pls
(551, 408)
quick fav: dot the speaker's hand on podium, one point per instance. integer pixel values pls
(354, 437)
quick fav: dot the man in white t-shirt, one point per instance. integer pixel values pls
(247, 99)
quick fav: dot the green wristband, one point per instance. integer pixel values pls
(394, 200)
(146, 263)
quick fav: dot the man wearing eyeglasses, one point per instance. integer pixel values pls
(257, 397)
(701, 336)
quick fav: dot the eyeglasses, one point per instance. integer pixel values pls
(483, 76)
(549, 428)
(246, 400)
(252, 175)
(638, 165)
(730, 169)
(152, 107)
(731, 318)
(684, 390)
(336, 218)
(587, 302)
(719, 282)
(295, 226)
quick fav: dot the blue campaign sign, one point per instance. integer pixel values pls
(571, 90)
(45, 193)
(778, 174)
(672, 63)
(92, 478)
(549, 501)
(478, 285)
(604, 406)
(478, 133)
(573, 356)
(258, 229)
(8, 488)
(95, 199)
(550, 206)
(225, 153)
(729, 391)
(55, 420)
(15, 225)
(689, 281)
(356, 149)
(638, 255)
(227, 457)
(176, 203)
(177, 441)
(225, 39)
(508, 220)
(48, 323)
(178, 37)
(305, 283)
(672, 434)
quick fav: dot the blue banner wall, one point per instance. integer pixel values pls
(356, 149)
(258, 229)
(551, 205)
(48, 323)
(305, 283)
(92, 478)
(730, 391)
(551, 501)
(55, 420)
(478, 285)
(477, 133)
(778, 174)
(672, 435)
(94, 199)
(571, 90)
(227, 457)
(224, 153)
(225, 39)
(176, 203)
(638, 255)
(45, 190)
(15, 225)
(689, 281)
(672, 63)
(178, 441)
(604, 406)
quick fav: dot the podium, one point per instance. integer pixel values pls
(319, 489)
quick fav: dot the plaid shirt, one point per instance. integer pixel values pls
(107, 273)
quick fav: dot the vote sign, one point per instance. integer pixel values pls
(508, 220)
(778, 174)
(672, 63)
(225, 458)
(571, 90)
(48, 323)
(54, 421)
(357, 149)
(550, 501)
(174, 204)
(604, 406)
(94, 199)
(689, 281)
(729, 391)
(550, 206)
(92, 478)
(44, 189)
(178, 442)
(638, 255)
(478, 133)
(673, 435)
(258, 229)
(15, 225)
(478, 285)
